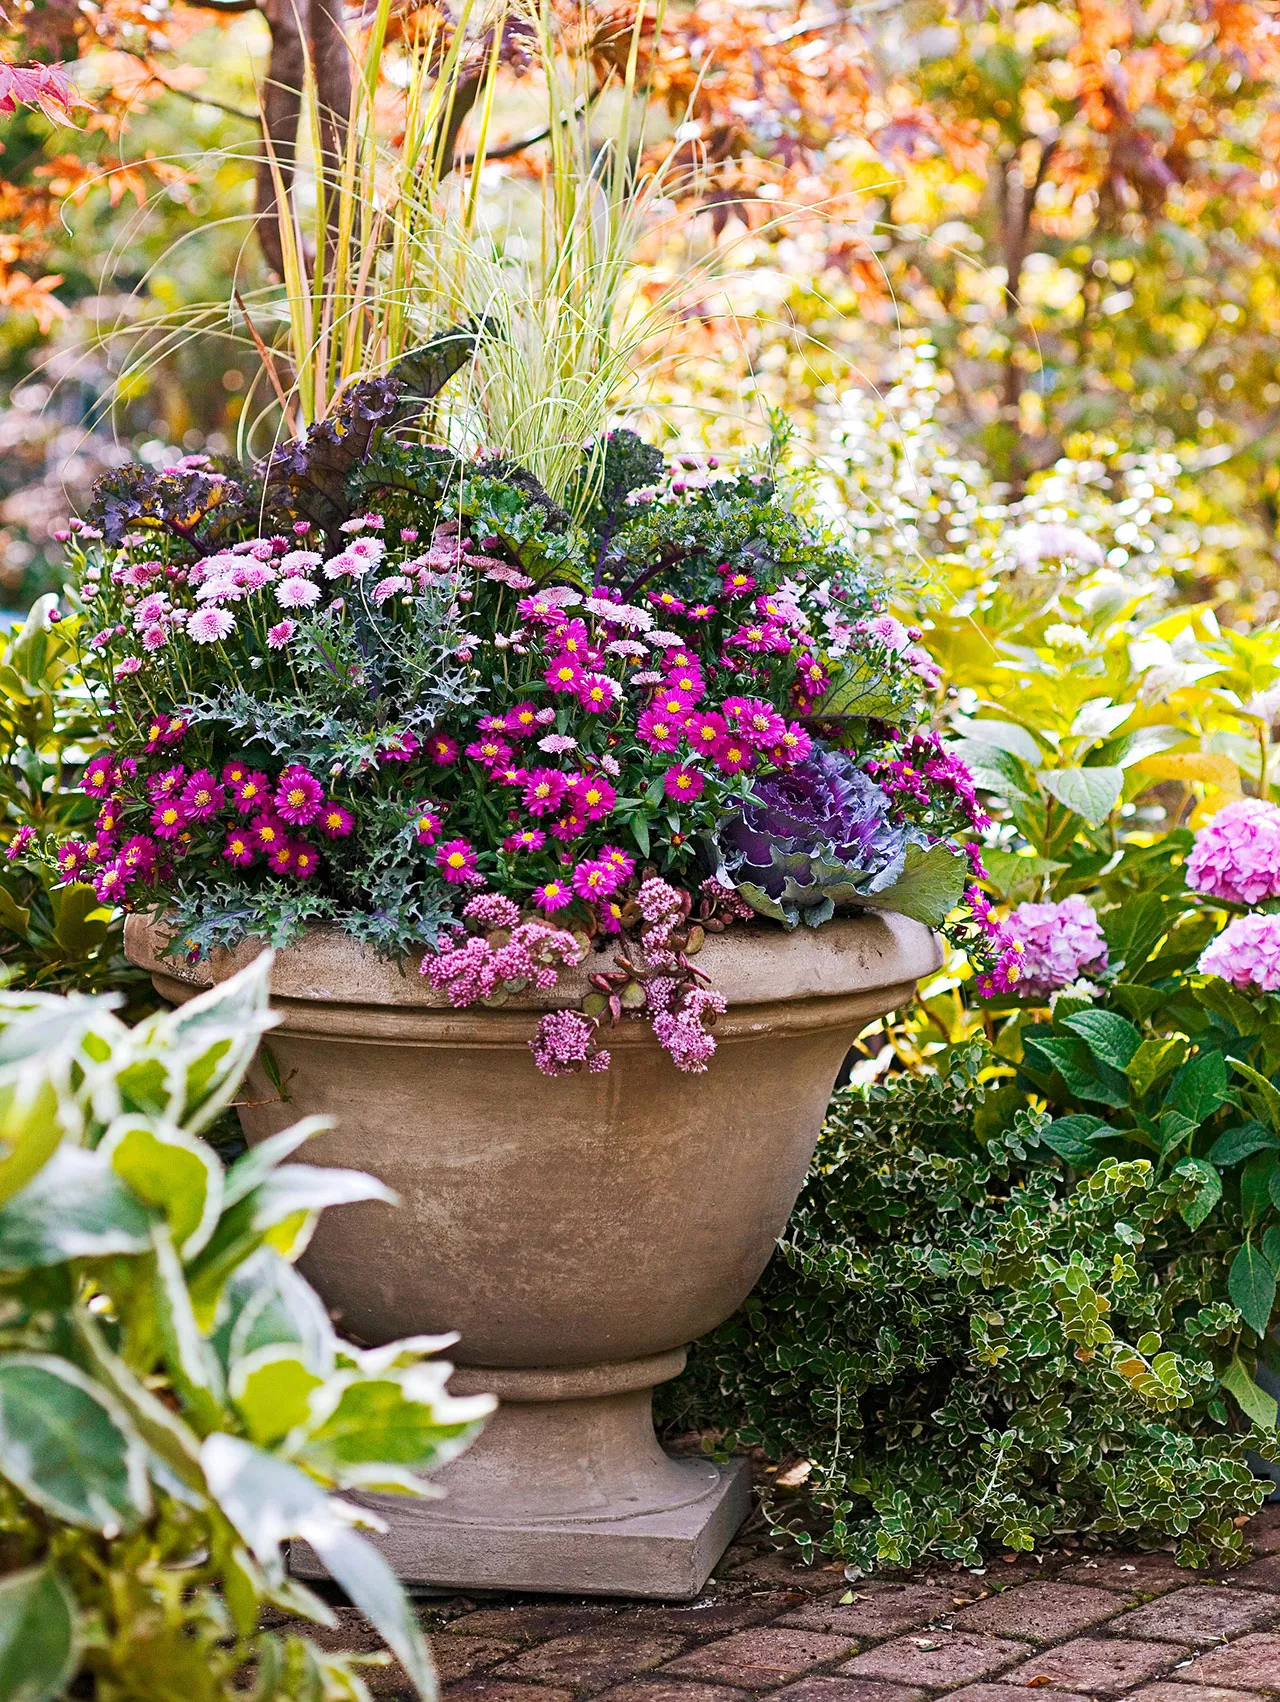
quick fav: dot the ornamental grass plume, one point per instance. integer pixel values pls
(1236, 856)
(1060, 942)
(1246, 952)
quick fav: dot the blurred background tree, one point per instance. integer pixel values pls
(1077, 203)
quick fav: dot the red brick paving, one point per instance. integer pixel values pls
(1067, 1628)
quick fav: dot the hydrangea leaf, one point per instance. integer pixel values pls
(1091, 792)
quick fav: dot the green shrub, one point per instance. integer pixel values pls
(970, 1350)
(174, 1403)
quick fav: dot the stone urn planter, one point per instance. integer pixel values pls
(578, 1232)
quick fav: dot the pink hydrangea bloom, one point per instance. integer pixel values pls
(1060, 943)
(1246, 953)
(1236, 856)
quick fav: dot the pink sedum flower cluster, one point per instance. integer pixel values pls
(1236, 856)
(478, 969)
(1060, 943)
(1246, 953)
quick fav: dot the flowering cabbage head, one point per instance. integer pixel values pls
(810, 838)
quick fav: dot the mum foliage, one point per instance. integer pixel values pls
(174, 1402)
(425, 684)
(971, 1348)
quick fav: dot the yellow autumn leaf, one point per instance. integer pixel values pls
(1216, 773)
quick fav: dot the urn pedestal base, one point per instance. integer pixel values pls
(566, 1490)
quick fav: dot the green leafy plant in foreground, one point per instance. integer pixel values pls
(174, 1403)
(969, 1349)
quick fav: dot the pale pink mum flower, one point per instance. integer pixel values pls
(280, 634)
(1236, 856)
(206, 626)
(388, 587)
(297, 593)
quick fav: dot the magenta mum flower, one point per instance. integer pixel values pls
(674, 705)
(241, 847)
(72, 858)
(521, 721)
(1236, 856)
(442, 750)
(592, 795)
(598, 693)
(100, 777)
(280, 634)
(543, 791)
(138, 855)
(759, 723)
(112, 883)
(202, 796)
(333, 821)
(661, 732)
(1060, 943)
(683, 784)
(563, 673)
(490, 753)
(704, 730)
(1246, 953)
(427, 824)
(596, 880)
(568, 827)
(306, 860)
(167, 784)
(168, 820)
(528, 839)
(280, 857)
(552, 895)
(251, 791)
(298, 795)
(456, 861)
(735, 582)
(733, 755)
(269, 832)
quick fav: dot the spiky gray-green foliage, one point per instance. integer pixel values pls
(971, 1349)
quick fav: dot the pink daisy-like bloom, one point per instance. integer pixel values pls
(298, 795)
(684, 677)
(250, 792)
(574, 640)
(208, 626)
(511, 774)
(552, 895)
(202, 796)
(306, 860)
(543, 791)
(73, 855)
(683, 784)
(388, 587)
(668, 602)
(659, 731)
(427, 824)
(456, 861)
(521, 720)
(280, 634)
(592, 796)
(235, 771)
(569, 826)
(111, 884)
(704, 730)
(528, 839)
(167, 784)
(168, 820)
(138, 855)
(618, 859)
(597, 693)
(241, 847)
(334, 821)
(99, 777)
(700, 611)
(673, 705)
(269, 832)
(398, 747)
(297, 593)
(1246, 953)
(492, 723)
(442, 750)
(563, 673)
(280, 857)
(759, 723)
(733, 755)
(595, 881)
(490, 753)
(758, 638)
(1060, 943)
(793, 746)
(20, 843)
(1236, 856)
(736, 583)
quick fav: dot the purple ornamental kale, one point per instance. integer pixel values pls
(812, 837)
